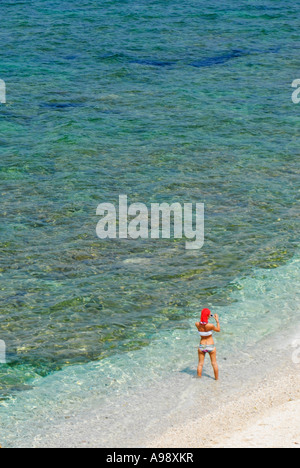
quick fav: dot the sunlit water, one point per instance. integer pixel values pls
(127, 399)
(164, 101)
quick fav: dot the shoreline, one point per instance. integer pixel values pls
(265, 416)
(169, 406)
(170, 412)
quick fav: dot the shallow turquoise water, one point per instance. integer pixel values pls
(125, 400)
(164, 101)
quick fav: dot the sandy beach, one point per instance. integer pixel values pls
(267, 416)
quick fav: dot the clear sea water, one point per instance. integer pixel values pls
(164, 101)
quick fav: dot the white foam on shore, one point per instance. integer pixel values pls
(121, 400)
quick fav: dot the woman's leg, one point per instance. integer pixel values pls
(213, 358)
(201, 362)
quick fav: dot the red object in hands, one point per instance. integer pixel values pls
(205, 314)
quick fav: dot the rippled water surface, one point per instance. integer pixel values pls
(164, 101)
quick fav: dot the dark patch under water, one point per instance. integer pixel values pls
(219, 59)
(58, 105)
(205, 62)
(153, 63)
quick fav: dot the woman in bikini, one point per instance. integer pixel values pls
(207, 344)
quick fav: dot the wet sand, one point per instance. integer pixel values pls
(267, 415)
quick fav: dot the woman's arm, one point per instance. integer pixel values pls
(218, 327)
